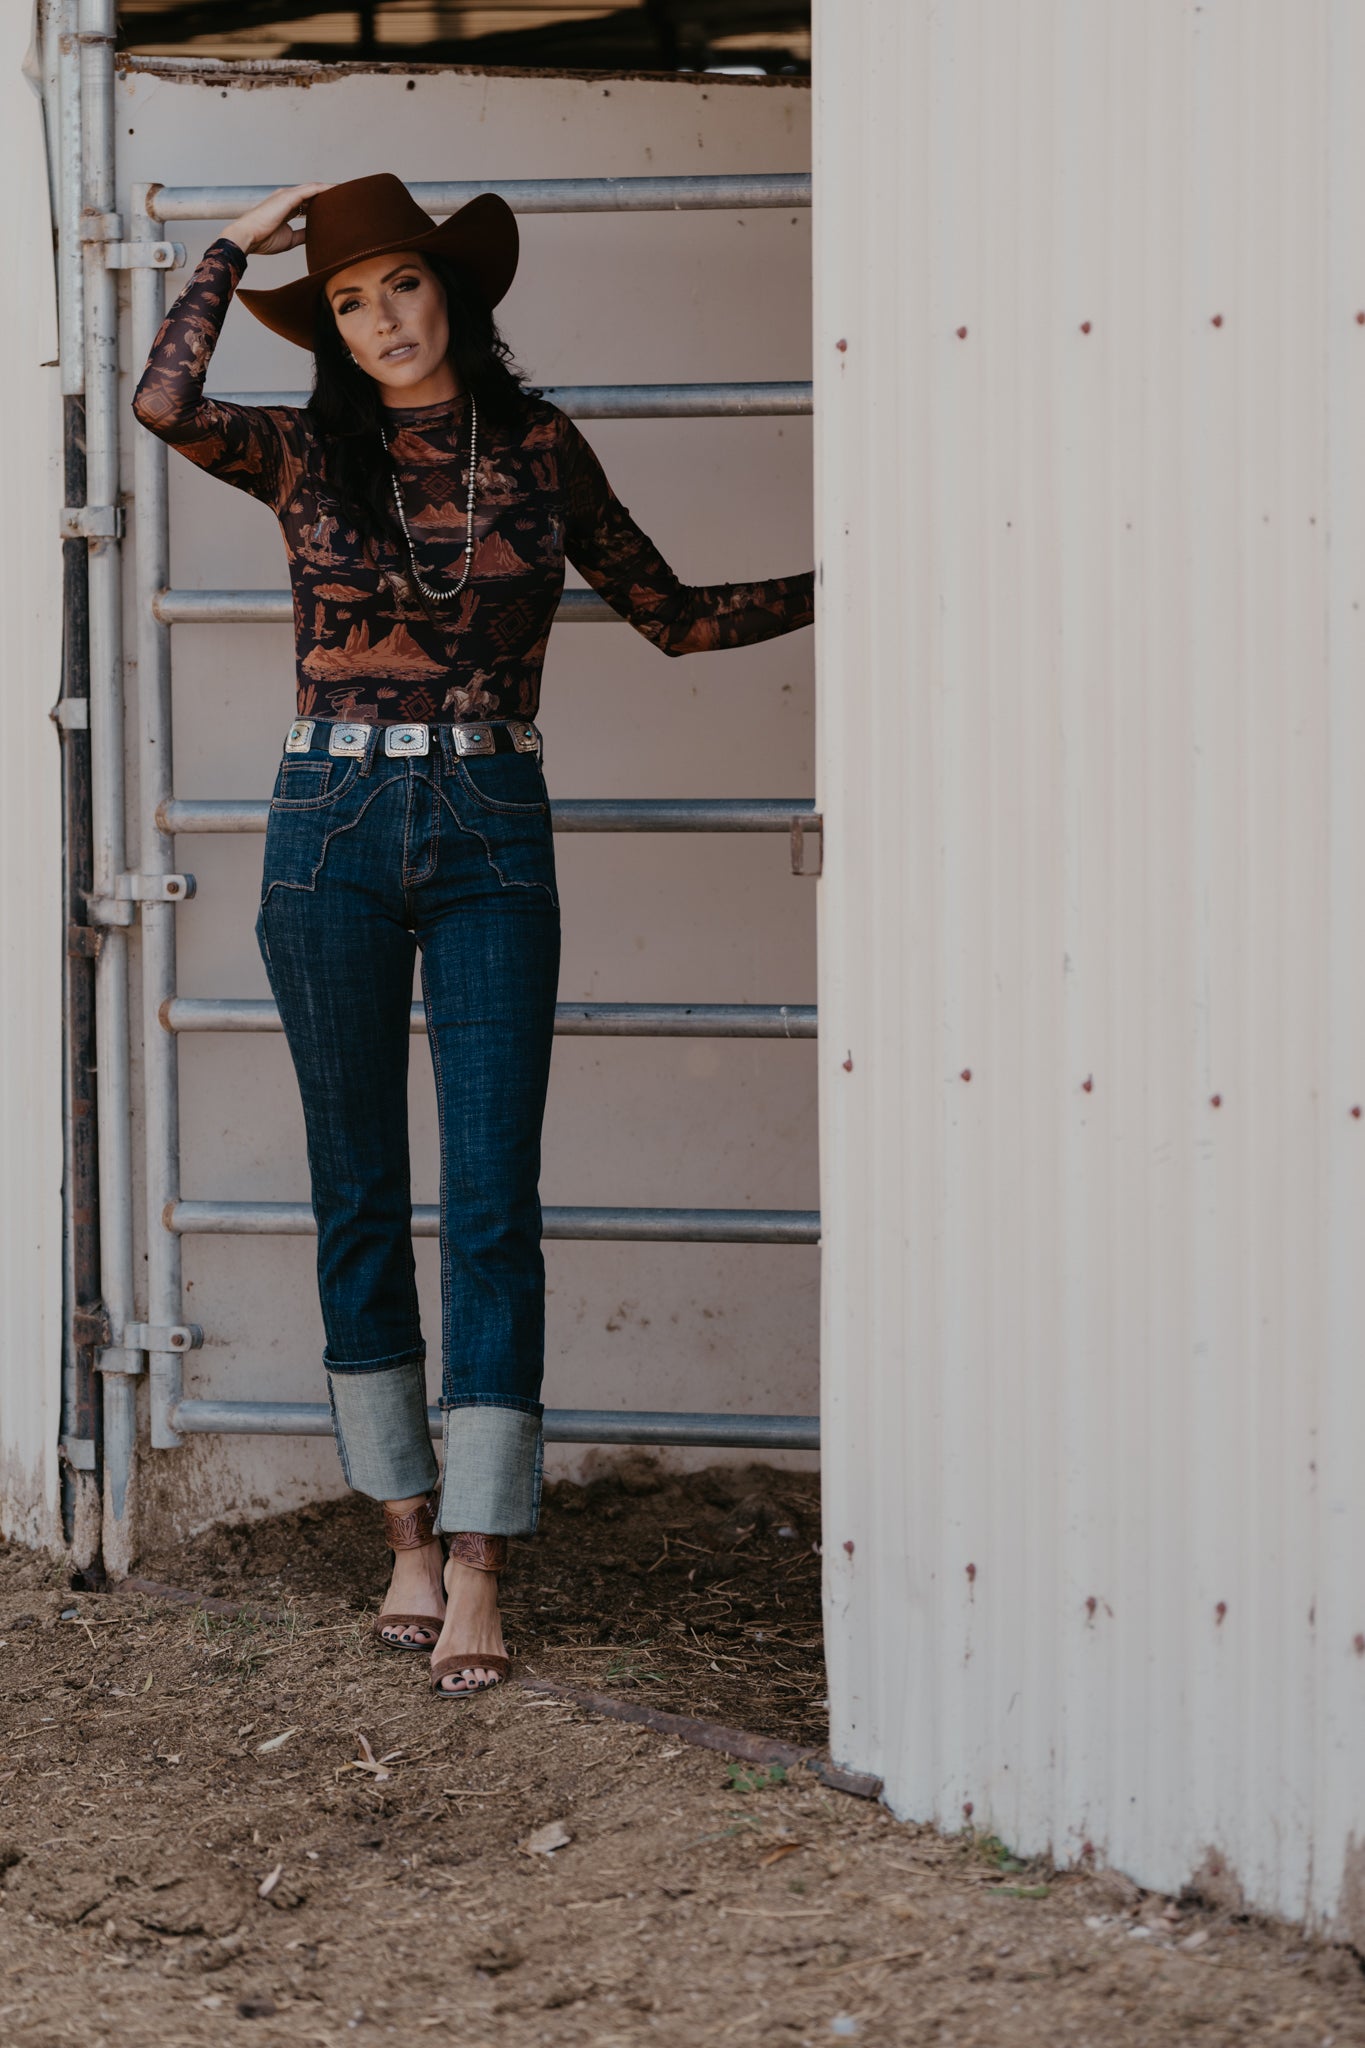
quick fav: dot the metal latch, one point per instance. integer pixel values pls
(162, 1336)
(130, 889)
(92, 522)
(802, 823)
(144, 255)
(72, 714)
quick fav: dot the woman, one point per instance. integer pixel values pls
(428, 503)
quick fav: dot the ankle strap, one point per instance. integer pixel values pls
(410, 1531)
(484, 1553)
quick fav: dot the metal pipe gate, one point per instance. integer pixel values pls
(157, 889)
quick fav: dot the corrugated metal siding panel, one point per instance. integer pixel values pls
(32, 927)
(1092, 753)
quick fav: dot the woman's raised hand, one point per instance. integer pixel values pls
(265, 228)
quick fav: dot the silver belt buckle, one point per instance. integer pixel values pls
(349, 739)
(525, 738)
(406, 739)
(299, 737)
(473, 739)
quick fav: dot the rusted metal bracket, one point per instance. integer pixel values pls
(83, 941)
(92, 522)
(90, 1327)
(144, 255)
(131, 889)
(162, 1336)
(804, 822)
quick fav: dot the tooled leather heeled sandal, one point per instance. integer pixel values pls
(484, 1554)
(412, 1531)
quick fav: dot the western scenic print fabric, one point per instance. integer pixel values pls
(367, 649)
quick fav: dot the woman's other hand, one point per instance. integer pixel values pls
(265, 229)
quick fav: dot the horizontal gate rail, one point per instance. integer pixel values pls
(626, 401)
(562, 1425)
(615, 1226)
(569, 814)
(527, 195)
(572, 1020)
(276, 608)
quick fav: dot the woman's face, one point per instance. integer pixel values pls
(390, 312)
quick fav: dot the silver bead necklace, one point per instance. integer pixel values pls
(441, 593)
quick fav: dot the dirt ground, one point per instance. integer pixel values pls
(257, 1826)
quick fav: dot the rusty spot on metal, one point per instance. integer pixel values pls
(1220, 1613)
(1217, 319)
(1217, 1101)
(1088, 1084)
(1355, 1111)
(1085, 327)
(966, 1074)
(842, 346)
(967, 1809)
(971, 1574)
(848, 1545)
(847, 1064)
(1360, 319)
(1359, 1646)
(962, 334)
(1091, 1604)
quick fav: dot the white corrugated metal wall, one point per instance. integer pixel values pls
(1090, 360)
(31, 917)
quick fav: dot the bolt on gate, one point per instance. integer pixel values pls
(158, 888)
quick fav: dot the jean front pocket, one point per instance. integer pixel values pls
(505, 783)
(311, 805)
(310, 785)
(502, 800)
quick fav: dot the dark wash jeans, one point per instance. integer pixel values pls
(367, 862)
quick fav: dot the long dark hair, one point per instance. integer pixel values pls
(346, 410)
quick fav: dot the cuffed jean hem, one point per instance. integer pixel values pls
(383, 1439)
(493, 1460)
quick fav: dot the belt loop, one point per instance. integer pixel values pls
(447, 733)
(371, 748)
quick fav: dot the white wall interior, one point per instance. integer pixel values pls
(1090, 392)
(31, 903)
(643, 298)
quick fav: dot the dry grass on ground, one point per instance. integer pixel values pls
(196, 1848)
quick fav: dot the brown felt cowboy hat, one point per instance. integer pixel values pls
(372, 216)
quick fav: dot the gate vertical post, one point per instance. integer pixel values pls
(96, 35)
(161, 1075)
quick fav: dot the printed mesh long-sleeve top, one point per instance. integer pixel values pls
(366, 647)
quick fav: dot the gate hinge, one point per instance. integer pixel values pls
(101, 227)
(92, 522)
(144, 255)
(113, 1359)
(162, 1336)
(130, 889)
(804, 822)
(83, 941)
(90, 1329)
